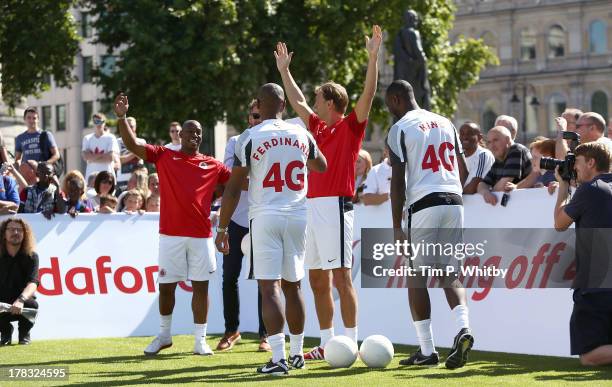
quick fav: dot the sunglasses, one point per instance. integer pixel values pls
(256, 116)
(173, 131)
(98, 121)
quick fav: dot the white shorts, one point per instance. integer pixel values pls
(185, 258)
(438, 226)
(329, 238)
(277, 247)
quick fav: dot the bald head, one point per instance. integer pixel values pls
(192, 124)
(501, 130)
(271, 98)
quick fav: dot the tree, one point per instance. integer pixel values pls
(205, 59)
(37, 39)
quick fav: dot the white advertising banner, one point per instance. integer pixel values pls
(98, 279)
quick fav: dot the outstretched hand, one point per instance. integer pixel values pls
(283, 57)
(121, 105)
(373, 43)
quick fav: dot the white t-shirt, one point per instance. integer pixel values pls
(174, 147)
(241, 214)
(427, 143)
(125, 176)
(379, 179)
(606, 141)
(106, 143)
(479, 164)
(276, 153)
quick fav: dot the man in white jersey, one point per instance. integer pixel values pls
(428, 170)
(477, 158)
(274, 155)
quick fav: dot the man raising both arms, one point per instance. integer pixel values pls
(274, 155)
(187, 181)
(330, 210)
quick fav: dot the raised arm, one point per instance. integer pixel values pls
(129, 138)
(294, 94)
(364, 103)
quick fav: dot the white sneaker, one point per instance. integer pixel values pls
(158, 343)
(201, 348)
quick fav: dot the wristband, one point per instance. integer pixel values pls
(122, 117)
(21, 298)
(221, 229)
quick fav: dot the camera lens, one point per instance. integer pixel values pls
(549, 163)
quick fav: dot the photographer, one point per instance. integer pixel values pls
(18, 277)
(590, 208)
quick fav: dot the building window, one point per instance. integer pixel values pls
(599, 103)
(87, 113)
(87, 69)
(528, 44)
(108, 65)
(86, 30)
(46, 118)
(60, 118)
(556, 106)
(598, 43)
(47, 79)
(556, 42)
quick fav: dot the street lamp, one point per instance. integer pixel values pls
(524, 86)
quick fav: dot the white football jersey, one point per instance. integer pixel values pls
(276, 153)
(427, 143)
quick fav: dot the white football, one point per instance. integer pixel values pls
(340, 352)
(376, 351)
(245, 245)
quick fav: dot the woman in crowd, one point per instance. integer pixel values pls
(363, 165)
(542, 147)
(153, 185)
(104, 185)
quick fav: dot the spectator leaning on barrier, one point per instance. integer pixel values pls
(591, 209)
(478, 159)
(363, 166)
(509, 123)
(44, 195)
(512, 165)
(18, 277)
(75, 202)
(133, 201)
(153, 203)
(108, 203)
(174, 131)
(9, 196)
(378, 183)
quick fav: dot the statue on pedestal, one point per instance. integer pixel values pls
(410, 60)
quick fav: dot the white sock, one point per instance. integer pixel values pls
(461, 316)
(277, 342)
(351, 332)
(200, 331)
(425, 336)
(326, 335)
(165, 325)
(296, 344)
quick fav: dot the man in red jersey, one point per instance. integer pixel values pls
(330, 210)
(187, 181)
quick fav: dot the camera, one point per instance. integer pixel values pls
(566, 167)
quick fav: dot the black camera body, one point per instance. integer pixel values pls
(566, 167)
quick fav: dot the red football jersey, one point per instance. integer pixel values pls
(186, 187)
(340, 145)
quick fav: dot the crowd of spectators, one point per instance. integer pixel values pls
(496, 161)
(31, 184)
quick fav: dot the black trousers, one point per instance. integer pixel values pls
(232, 265)
(24, 324)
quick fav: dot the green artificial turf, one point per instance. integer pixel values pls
(120, 362)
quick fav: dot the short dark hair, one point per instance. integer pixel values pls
(29, 109)
(596, 151)
(402, 89)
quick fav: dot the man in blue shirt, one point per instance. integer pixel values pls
(9, 196)
(591, 209)
(27, 144)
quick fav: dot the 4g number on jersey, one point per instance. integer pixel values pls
(274, 177)
(433, 159)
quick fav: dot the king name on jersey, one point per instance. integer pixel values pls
(281, 141)
(425, 126)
